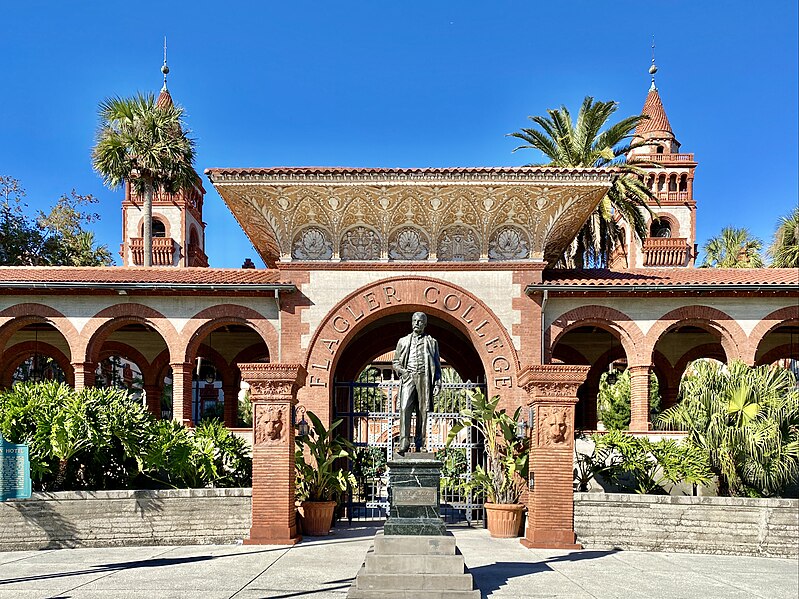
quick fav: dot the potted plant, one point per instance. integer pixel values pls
(504, 477)
(320, 483)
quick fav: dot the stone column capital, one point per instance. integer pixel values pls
(553, 383)
(272, 381)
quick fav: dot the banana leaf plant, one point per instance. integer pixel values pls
(319, 477)
(504, 477)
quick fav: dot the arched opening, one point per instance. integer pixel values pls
(780, 346)
(123, 351)
(159, 228)
(678, 346)
(120, 372)
(216, 379)
(660, 227)
(365, 396)
(599, 347)
(673, 182)
(36, 352)
(683, 182)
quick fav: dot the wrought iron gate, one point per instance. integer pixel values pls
(371, 421)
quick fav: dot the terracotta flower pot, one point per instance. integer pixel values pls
(504, 520)
(317, 517)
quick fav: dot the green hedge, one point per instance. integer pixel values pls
(105, 439)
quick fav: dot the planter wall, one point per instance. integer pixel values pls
(113, 518)
(724, 525)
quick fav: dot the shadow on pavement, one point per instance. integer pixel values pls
(155, 562)
(491, 577)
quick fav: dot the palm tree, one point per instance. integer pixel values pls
(583, 144)
(746, 419)
(784, 249)
(733, 248)
(146, 144)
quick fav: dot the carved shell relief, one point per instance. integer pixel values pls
(312, 243)
(508, 243)
(408, 243)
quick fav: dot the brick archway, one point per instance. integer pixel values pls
(108, 320)
(214, 317)
(732, 337)
(16, 354)
(405, 295)
(784, 316)
(21, 315)
(610, 319)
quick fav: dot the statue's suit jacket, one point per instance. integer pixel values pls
(432, 362)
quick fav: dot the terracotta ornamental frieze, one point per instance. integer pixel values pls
(502, 214)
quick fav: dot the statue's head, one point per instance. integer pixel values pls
(419, 322)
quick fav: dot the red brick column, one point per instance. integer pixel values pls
(181, 392)
(231, 405)
(152, 395)
(639, 397)
(84, 374)
(550, 504)
(273, 392)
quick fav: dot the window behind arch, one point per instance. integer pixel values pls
(159, 228)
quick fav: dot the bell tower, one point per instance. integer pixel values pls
(178, 227)
(669, 173)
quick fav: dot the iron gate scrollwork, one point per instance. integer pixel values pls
(370, 413)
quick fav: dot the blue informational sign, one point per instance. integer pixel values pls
(15, 471)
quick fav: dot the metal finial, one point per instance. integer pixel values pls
(165, 68)
(653, 69)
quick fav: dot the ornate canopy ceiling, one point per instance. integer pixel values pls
(463, 214)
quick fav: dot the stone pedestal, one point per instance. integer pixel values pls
(414, 497)
(550, 510)
(413, 567)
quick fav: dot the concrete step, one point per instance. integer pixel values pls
(359, 594)
(414, 545)
(414, 564)
(387, 582)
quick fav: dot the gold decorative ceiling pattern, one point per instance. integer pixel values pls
(337, 214)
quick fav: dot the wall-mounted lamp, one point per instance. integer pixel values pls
(302, 426)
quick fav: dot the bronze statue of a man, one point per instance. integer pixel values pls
(417, 362)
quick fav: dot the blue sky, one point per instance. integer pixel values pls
(399, 85)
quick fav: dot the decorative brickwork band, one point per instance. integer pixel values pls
(84, 374)
(639, 397)
(273, 392)
(181, 392)
(550, 507)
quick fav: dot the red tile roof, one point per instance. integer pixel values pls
(672, 277)
(344, 170)
(162, 276)
(657, 122)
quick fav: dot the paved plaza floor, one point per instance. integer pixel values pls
(325, 567)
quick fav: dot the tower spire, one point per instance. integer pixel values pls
(652, 70)
(165, 68)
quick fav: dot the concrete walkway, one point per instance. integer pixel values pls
(324, 568)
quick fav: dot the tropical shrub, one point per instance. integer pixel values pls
(746, 420)
(614, 399)
(644, 466)
(369, 465)
(105, 439)
(453, 467)
(507, 456)
(319, 475)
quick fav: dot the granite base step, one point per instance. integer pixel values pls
(418, 567)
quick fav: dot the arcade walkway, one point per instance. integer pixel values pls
(324, 568)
